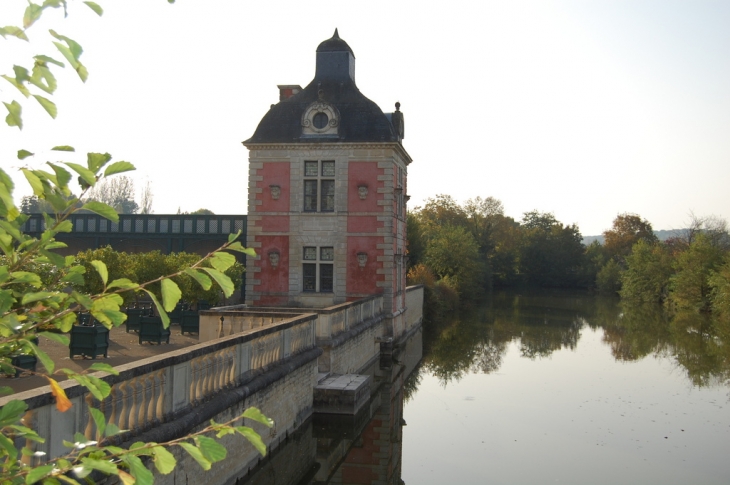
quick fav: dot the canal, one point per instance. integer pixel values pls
(533, 387)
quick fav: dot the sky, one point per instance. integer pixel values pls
(585, 109)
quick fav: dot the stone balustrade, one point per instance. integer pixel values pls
(160, 389)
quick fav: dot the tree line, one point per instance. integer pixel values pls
(461, 251)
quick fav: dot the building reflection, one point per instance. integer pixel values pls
(345, 449)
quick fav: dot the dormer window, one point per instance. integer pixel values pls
(320, 119)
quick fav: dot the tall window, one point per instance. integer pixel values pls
(318, 269)
(319, 186)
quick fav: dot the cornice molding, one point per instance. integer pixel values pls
(331, 146)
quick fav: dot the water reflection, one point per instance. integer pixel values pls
(542, 323)
(363, 449)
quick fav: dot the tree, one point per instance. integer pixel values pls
(440, 210)
(37, 292)
(551, 253)
(627, 229)
(117, 193)
(452, 253)
(40, 289)
(31, 204)
(648, 269)
(202, 212)
(690, 284)
(145, 202)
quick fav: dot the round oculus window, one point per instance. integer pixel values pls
(320, 120)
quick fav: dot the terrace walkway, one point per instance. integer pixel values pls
(123, 348)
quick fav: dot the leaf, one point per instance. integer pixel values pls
(102, 209)
(62, 175)
(101, 465)
(256, 415)
(140, 472)
(86, 174)
(112, 429)
(237, 246)
(26, 277)
(233, 236)
(123, 283)
(126, 478)
(14, 117)
(197, 455)
(36, 296)
(164, 460)
(32, 13)
(66, 322)
(43, 58)
(5, 390)
(48, 105)
(211, 449)
(12, 411)
(201, 278)
(97, 160)
(104, 368)
(18, 84)
(74, 47)
(43, 357)
(99, 420)
(253, 437)
(95, 7)
(37, 473)
(171, 294)
(43, 78)
(35, 183)
(223, 281)
(222, 261)
(23, 154)
(62, 402)
(63, 148)
(98, 388)
(14, 31)
(56, 337)
(118, 167)
(163, 315)
(9, 447)
(100, 268)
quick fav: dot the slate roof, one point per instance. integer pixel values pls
(361, 120)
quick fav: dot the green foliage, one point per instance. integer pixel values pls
(608, 279)
(690, 284)
(42, 290)
(648, 269)
(550, 254)
(719, 283)
(454, 254)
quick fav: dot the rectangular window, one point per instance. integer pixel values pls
(318, 275)
(319, 189)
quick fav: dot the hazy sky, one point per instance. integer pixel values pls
(585, 109)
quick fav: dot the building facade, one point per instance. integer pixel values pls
(327, 193)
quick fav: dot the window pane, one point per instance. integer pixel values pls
(328, 169)
(327, 254)
(310, 169)
(310, 195)
(310, 253)
(325, 278)
(310, 276)
(328, 195)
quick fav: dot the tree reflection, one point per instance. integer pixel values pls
(476, 341)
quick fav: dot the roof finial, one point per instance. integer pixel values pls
(336, 36)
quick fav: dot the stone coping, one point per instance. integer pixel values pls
(42, 396)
